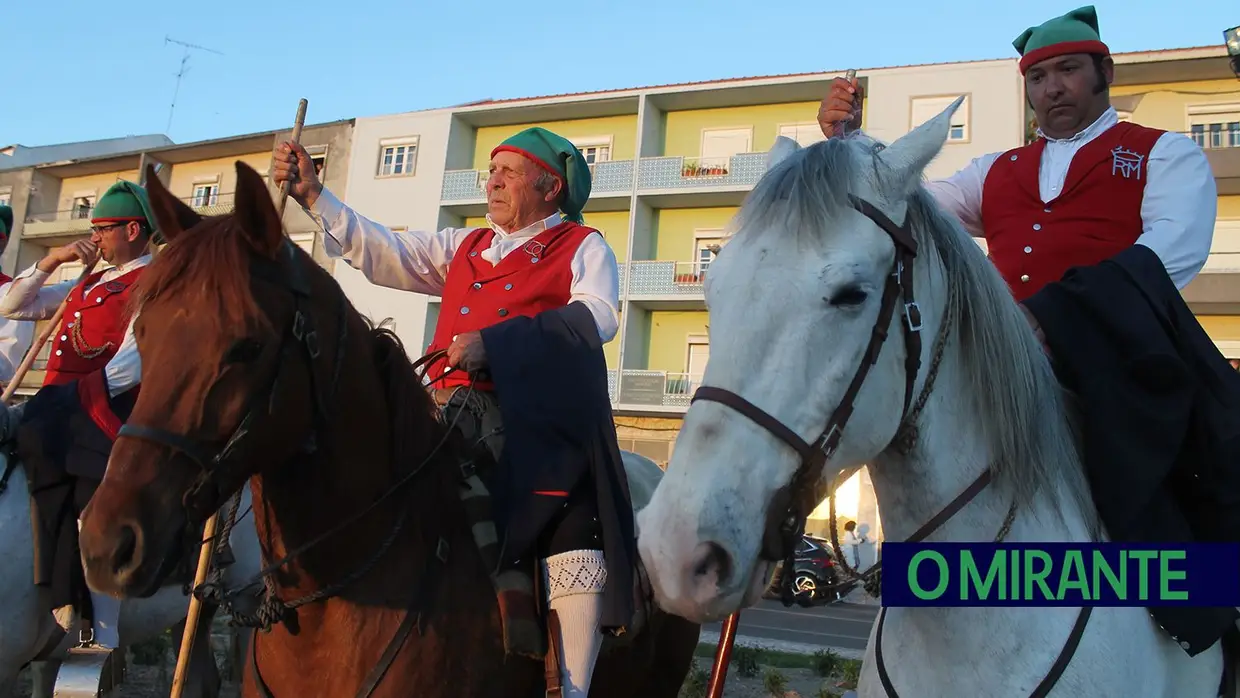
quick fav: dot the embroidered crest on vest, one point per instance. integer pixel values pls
(114, 287)
(1126, 163)
(534, 249)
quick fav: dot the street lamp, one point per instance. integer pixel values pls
(1232, 38)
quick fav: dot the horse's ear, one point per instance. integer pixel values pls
(172, 216)
(909, 155)
(784, 146)
(256, 213)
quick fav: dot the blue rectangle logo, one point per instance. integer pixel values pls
(1061, 574)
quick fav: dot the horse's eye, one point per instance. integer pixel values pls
(243, 351)
(848, 296)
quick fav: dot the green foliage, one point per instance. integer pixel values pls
(851, 672)
(746, 661)
(826, 663)
(151, 652)
(775, 683)
(695, 682)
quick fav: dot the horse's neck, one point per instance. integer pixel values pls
(951, 453)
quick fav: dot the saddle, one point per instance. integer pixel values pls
(525, 618)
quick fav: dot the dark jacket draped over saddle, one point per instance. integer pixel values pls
(550, 379)
(64, 453)
(1161, 414)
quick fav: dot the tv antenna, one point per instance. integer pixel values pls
(181, 73)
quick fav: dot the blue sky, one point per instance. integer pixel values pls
(77, 71)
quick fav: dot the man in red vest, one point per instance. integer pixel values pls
(1097, 226)
(1089, 186)
(528, 302)
(16, 336)
(65, 432)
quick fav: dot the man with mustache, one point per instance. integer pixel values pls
(1097, 226)
(528, 302)
(1088, 186)
(65, 432)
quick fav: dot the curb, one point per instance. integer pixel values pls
(711, 637)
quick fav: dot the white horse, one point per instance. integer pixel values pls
(793, 299)
(27, 626)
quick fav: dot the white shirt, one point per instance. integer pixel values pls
(29, 299)
(418, 261)
(16, 336)
(1177, 212)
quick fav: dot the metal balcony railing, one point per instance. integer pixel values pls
(665, 278)
(608, 177)
(634, 388)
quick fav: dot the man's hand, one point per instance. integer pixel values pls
(1037, 328)
(293, 163)
(467, 352)
(842, 103)
(82, 250)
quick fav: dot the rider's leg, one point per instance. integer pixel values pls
(106, 612)
(575, 576)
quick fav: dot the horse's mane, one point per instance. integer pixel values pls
(210, 265)
(1026, 419)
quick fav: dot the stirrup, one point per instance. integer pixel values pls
(86, 636)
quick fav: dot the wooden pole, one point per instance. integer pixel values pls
(723, 657)
(208, 533)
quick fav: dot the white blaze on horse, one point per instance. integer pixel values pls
(794, 300)
(27, 626)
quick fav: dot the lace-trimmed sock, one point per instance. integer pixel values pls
(575, 582)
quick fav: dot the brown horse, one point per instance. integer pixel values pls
(256, 367)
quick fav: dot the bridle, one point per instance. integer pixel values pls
(201, 499)
(792, 503)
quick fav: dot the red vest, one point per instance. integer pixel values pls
(531, 279)
(4, 278)
(1097, 215)
(93, 327)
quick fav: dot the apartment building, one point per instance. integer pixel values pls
(52, 201)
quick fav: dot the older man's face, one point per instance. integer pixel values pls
(512, 200)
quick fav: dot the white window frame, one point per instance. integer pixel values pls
(410, 166)
(316, 152)
(700, 234)
(92, 194)
(962, 118)
(748, 130)
(205, 181)
(1213, 113)
(692, 340)
(586, 142)
(798, 125)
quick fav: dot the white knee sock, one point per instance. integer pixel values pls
(107, 619)
(574, 582)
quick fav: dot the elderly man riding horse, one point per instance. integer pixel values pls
(65, 432)
(528, 302)
(1095, 226)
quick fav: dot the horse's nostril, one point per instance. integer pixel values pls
(712, 559)
(126, 547)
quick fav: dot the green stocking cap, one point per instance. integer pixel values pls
(559, 157)
(1075, 32)
(6, 219)
(123, 202)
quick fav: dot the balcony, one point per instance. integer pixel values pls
(665, 284)
(1222, 148)
(75, 222)
(467, 187)
(695, 179)
(651, 391)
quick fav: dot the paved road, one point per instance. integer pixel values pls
(841, 625)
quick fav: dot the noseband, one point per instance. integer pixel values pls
(793, 503)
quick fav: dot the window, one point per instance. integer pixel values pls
(697, 355)
(398, 156)
(595, 149)
(83, 204)
(804, 134)
(922, 109)
(318, 155)
(6, 197)
(706, 244)
(206, 194)
(726, 142)
(1215, 125)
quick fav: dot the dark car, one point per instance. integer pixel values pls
(818, 577)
